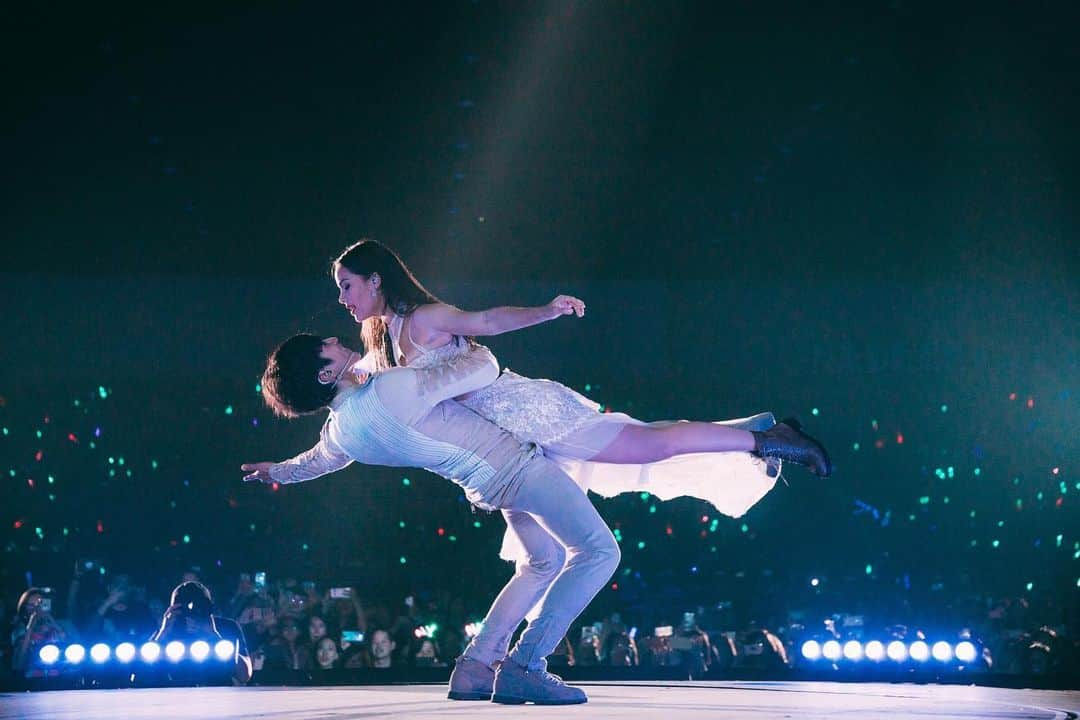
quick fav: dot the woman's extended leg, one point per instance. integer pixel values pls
(640, 444)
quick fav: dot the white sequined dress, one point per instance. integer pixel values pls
(571, 429)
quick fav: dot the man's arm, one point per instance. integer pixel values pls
(322, 459)
(463, 374)
(22, 650)
(410, 393)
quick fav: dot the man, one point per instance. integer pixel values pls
(405, 417)
(189, 617)
(382, 649)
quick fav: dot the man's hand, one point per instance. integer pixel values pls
(177, 620)
(566, 305)
(259, 471)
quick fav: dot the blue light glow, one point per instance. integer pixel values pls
(75, 654)
(965, 652)
(100, 652)
(49, 654)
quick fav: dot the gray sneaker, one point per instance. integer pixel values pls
(516, 685)
(471, 680)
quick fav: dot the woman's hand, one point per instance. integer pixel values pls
(259, 471)
(566, 305)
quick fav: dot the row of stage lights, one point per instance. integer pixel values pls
(876, 651)
(148, 652)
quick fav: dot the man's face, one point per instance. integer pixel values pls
(338, 355)
(381, 645)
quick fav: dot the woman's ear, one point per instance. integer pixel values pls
(326, 376)
(374, 279)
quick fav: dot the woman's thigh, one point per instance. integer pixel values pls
(636, 445)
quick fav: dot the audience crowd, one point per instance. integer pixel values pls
(299, 629)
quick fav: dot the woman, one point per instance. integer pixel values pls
(728, 464)
(426, 653)
(316, 630)
(34, 627)
(327, 656)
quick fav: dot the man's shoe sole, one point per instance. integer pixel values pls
(515, 700)
(463, 695)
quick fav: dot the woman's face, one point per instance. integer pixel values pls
(289, 631)
(316, 628)
(427, 649)
(360, 295)
(326, 654)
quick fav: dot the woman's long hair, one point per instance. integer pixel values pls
(403, 293)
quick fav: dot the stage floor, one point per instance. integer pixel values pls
(624, 701)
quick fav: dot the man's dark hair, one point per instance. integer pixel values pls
(194, 597)
(290, 383)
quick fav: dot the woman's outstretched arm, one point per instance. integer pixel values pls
(440, 318)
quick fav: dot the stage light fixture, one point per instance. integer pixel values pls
(942, 651)
(74, 654)
(49, 654)
(811, 650)
(853, 650)
(200, 650)
(174, 651)
(100, 653)
(832, 651)
(897, 651)
(125, 652)
(919, 651)
(223, 650)
(875, 650)
(150, 652)
(966, 652)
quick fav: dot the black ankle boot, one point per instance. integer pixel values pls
(787, 441)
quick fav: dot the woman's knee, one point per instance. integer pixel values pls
(669, 441)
